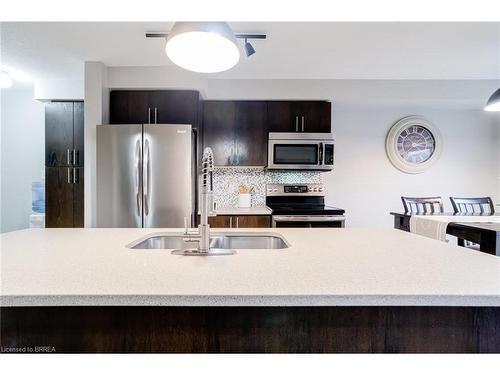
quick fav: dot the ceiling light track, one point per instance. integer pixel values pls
(237, 36)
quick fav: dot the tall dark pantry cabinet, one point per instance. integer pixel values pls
(64, 164)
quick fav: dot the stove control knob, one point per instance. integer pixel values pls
(310, 189)
(320, 189)
(315, 189)
(275, 190)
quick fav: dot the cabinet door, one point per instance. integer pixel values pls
(58, 133)
(314, 116)
(78, 191)
(281, 117)
(219, 131)
(221, 221)
(129, 107)
(174, 107)
(59, 197)
(251, 133)
(78, 134)
(253, 221)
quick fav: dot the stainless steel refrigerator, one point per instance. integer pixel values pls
(145, 175)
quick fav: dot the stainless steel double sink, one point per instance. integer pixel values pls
(234, 241)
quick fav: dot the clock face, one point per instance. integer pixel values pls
(415, 144)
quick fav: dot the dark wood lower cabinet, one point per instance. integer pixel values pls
(240, 221)
(252, 329)
(59, 197)
(64, 191)
(253, 221)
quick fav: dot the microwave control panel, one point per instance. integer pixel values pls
(328, 154)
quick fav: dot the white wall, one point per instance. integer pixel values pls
(22, 153)
(96, 113)
(366, 184)
(156, 77)
(59, 89)
(363, 181)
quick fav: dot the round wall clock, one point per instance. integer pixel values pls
(413, 144)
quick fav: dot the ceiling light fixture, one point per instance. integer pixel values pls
(249, 50)
(204, 47)
(5, 80)
(493, 104)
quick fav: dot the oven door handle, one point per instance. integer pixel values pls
(305, 218)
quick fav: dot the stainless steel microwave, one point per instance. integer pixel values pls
(300, 151)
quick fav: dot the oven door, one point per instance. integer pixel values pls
(296, 154)
(308, 221)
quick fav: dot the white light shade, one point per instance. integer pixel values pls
(493, 104)
(203, 47)
(5, 80)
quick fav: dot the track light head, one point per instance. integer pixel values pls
(249, 50)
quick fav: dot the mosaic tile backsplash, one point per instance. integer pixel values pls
(227, 179)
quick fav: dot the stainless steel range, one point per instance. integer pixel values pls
(302, 205)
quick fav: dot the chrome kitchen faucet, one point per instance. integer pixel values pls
(206, 210)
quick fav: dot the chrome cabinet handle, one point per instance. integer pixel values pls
(302, 123)
(230, 221)
(146, 176)
(68, 157)
(76, 175)
(296, 123)
(137, 175)
(75, 161)
(149, 115)
(156, 116)
(237, 222)
(69, 176)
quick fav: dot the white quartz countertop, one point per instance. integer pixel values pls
(323, 267)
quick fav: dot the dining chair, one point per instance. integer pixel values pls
(426, 205)
(482, 205)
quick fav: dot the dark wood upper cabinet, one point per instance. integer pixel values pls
(281, 117)
(129, 107)
(58, 133)
(154, 107)
(250, 133)
(174, 107)
(299, 116)
(314, 116)
(219, 130)
(236, 132)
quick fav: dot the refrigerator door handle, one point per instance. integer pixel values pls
(146, 176)
(137, 173)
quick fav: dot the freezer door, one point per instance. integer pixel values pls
(119, 176)
(167, 178)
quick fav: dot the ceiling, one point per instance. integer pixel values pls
(292, 50)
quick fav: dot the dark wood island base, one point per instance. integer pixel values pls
(251, 329)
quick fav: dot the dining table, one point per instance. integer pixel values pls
(485, 234)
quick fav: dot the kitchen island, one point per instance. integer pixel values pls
(332, 290)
